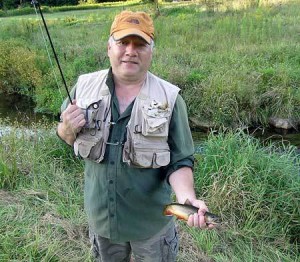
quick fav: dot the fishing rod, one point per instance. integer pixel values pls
(37, 6)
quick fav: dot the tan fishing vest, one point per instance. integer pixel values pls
(147, 130)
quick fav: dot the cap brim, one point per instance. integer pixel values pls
(132, 31)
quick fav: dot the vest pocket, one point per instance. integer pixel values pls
(89, 146)
(155, 121)
(91, 109)
(155, 127)
(161, 159)
(148, 155)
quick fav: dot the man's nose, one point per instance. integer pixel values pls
(130, 49)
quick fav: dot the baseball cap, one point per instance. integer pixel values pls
(132, 23)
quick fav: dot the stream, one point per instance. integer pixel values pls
(21, 110)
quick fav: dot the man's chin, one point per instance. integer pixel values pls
(130, 73)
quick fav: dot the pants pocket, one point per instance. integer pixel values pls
(170, 245)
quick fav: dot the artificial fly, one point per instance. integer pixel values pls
(37, 6)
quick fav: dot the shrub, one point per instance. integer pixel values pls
(19, 72)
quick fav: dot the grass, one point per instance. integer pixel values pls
(237, 65)
(254, 188)
(42, 216)
(28, 8)
(257, 190)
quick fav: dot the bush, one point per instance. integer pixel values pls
(19, 72)
(20, 11)
(2, 13)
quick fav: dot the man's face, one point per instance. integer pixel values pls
(130, 58)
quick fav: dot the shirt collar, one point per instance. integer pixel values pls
(110, 81)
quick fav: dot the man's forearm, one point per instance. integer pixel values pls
(182, 183)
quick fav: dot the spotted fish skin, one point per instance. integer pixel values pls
(183, 211)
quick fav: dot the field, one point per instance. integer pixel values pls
(254, 189)
(237, 64)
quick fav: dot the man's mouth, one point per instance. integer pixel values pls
(130, 62)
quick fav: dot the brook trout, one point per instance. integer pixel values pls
(183, 211)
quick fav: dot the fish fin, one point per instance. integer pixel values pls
(187, 202)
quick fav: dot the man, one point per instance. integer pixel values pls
(131, 128)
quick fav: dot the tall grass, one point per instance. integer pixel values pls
(41, 212)
(257, 189)
(236, 62)
(254, 188)
(236, 67)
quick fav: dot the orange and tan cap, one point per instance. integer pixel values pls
(132, 23)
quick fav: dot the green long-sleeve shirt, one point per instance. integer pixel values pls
(126, 203)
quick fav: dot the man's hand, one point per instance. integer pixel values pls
(198, 219)
(72, 122)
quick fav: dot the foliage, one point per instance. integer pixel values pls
(19, 70)
(11, 4)
(25, 9)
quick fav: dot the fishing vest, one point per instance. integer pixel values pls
(148, 127)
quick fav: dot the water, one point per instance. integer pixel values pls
(21, 110)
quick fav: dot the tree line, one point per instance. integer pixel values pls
(12, 4)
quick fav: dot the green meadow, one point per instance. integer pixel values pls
(237, 63)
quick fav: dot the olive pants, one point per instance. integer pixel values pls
(162, 247)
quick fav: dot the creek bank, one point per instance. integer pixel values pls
(279, 130)
(282, 126)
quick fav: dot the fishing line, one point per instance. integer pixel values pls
(36, 4)
(48, 53)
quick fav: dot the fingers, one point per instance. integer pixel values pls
(73, 117)
(197, 220)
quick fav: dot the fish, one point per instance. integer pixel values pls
(183, 211)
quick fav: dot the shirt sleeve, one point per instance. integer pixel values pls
(180, 139)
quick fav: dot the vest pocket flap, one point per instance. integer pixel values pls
(155, 126)
(162, 158)
(88, 146)
(143, 159)
(149, 155)
(155, 123)
(84, 148)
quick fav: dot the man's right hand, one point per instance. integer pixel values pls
(72, 122)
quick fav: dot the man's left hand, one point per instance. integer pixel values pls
(198, 219)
